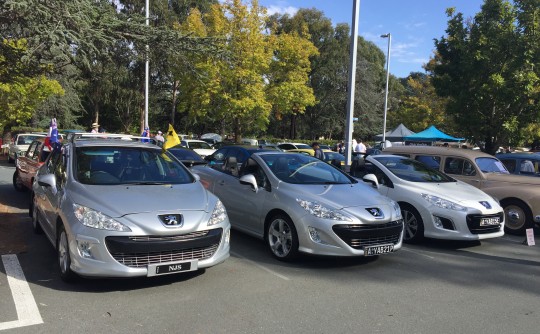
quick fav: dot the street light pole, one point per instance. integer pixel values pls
(386, 91)
(351, 84)
(146, 71)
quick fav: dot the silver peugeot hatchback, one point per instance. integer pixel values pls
(117, 207)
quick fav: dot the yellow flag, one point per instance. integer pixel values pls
(172, 138)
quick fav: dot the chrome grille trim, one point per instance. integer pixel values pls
(188, 236)
(141, 260)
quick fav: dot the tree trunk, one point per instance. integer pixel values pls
(176, 83)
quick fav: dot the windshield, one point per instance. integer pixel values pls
(491, 165)
(128, 165)
(302, 169)
(27, 139)
(412, 170)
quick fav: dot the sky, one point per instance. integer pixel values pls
(413, 24)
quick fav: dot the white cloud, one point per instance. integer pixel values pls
(273, 9)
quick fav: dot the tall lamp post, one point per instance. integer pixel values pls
(146, 71)
(386, 90)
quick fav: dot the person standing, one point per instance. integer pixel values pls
(95, 128)
(146, 133)
(360, 147)
(318, 153)
(159, 137)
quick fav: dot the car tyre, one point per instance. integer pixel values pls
(282, 238)
(36, 226)
(17, 183)
(518, 217)
(413, 229)
(64, 257)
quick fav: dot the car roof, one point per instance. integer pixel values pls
(110, 140)
(521, 155)
(446, 151)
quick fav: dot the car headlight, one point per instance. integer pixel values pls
(218, 215)
(95, 219)
(321, 211)
(397, 209)
(443, 203)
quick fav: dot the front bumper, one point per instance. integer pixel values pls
(131, 256)
(341, 239)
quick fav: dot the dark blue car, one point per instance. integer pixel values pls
(521, 163)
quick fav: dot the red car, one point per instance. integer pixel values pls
(28, 164)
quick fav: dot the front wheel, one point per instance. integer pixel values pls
(281, 238)
(413, 225)
(64, 257)
(518, 217)
(17, 182)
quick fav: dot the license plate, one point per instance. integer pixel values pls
(378, 250)
(172, 268)
(490, 221)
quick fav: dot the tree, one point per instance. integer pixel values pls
(489, 68)
(421, 106)
(288, 77)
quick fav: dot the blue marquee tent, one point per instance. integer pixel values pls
(432, 134)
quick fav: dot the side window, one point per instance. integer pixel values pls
(430, 161)
(510, 164)
(527, 167)
(252, 167)
(382, 178)
(31, 153)
(459, 166)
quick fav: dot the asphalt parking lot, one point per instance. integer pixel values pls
(436, 287)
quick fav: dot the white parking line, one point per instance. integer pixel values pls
(415, 252)
(27, 310)
(261, 267)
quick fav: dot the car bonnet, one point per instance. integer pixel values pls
(120, 200)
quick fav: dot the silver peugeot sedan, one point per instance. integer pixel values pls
(117, 207)
(298, 203)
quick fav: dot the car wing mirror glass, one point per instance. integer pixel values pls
(249, 179)
(371, 178)
(48, 180)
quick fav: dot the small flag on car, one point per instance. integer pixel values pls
(172, 138)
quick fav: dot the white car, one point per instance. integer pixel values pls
(200, 146)
(293, 146)
(433, 204)
(20, 143)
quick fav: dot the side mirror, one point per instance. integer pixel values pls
(249, 179)
(197, 177)
(48, 180)
(371, 178)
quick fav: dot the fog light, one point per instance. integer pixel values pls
(437, 221)
(84, 248)
(314, 234)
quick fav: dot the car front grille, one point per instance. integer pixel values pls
(140, 251)
(473, 223)
(360, 236)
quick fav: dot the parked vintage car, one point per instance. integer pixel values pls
(27, 165)
(297, 203)
(117, 207)
(518, 195)
(294, 146)
(527, 164)
(434, 204)
(20, 143)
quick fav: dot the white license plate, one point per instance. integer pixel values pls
(378, 250)
(490, 221)
(172, 268)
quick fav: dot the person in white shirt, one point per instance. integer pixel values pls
(159, 136)
(360, 147)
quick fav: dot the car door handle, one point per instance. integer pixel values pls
(221, 182)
